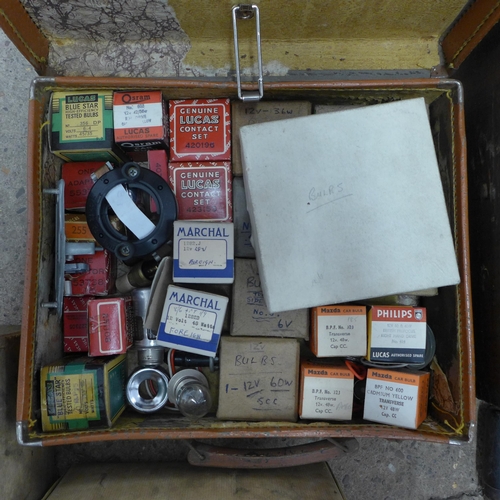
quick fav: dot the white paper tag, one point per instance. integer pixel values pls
(202, 254)
(129, 213)
(138, 115)
(190, 322)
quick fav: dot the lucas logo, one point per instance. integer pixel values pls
(380, 354)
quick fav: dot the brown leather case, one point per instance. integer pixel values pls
(452, 404)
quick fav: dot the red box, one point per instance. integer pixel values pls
(75, 324)
(158, 163)
(140, 120)
(200, 130)
(98, 280)
(203, 190)
(111, 323)
(77, 183)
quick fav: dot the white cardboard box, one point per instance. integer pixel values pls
(346, 206)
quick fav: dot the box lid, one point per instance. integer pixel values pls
(194, 38)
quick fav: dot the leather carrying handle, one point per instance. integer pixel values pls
(234, 458)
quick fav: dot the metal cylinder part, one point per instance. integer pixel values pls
(147, 389)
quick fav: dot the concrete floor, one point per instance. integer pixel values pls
(380, 470)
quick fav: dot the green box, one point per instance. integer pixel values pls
(82, 392)
(81, 126)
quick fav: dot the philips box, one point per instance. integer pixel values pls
(192, 321)
(203, 252)
(397, 334)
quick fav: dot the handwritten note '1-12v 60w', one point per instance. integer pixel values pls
(258, 379)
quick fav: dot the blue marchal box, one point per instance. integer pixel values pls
(203, 252)
(192, 321)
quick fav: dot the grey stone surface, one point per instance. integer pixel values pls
(380, 470)
(26, 472)
(15, 75)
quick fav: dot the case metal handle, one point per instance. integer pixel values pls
(248, 11)
(205, 455)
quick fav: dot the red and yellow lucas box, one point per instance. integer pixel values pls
(200, 130)
(110, 326)
(203, 190)
(98, 280)
(338, 330)
(326, 391)
(78, 183)
(75, 324)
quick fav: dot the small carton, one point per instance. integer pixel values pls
(248, 113)
(250, 316)
(242, 226)
(75, 324)
(158, 163)
(80, 393)
(76, 228)
(81, 126)
(203, 252)
(140, 120)
(200, 130)
(192, 321)
(259, 379)
(202, 190)
(98, 280)
(78, 183)
(396, 397)
(397, 334)
(326, 391)
(111, 326)
(338, 330)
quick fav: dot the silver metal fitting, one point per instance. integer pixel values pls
(147, 389)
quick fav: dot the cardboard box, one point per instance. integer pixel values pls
(259, 379)
(250, 316)
(202, 190)
(140, 120)
(192, 321)
(200, 130)
(75, 324)
(76, 228)
(338, 330)
(80, 393)
(203, 252)
(78, 183)
(81, 126)
(397, 334)
(396, 397)
(368, 227)
(326, 391)
(248, 113)
(98, 280)
(242, 227)
(111, 326)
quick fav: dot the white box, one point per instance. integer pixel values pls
(396, 397)
(326, 392)
(346, 206)
(203, 252)
(192, 321)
